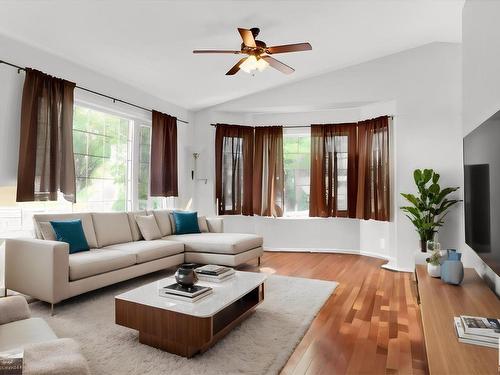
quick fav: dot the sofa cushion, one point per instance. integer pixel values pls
(97, 261)
(111, 228)
(164, 222)
(186, 222)
(87, 223)
(202, 224)
(71, 232)
(148, 227)
(219, 243)
(15, 335)
(47, 231)
(134, 229)
(146, 251)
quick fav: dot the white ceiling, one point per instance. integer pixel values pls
(149, 44)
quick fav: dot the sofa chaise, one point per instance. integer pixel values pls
(43, 268)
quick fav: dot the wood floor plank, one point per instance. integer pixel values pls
(370, 325)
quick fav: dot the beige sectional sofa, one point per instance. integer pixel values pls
(43, 268)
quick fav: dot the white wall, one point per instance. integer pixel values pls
(11, 84)
(423, 87)
(481, 84)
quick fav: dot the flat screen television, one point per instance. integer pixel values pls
(482, 191)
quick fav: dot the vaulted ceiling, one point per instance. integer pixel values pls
(149, 44)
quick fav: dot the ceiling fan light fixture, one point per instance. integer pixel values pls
(261, 64)
(249, 65)
(253, 63)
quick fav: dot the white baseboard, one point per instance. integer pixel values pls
(330, 251)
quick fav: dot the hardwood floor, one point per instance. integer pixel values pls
(370, 325)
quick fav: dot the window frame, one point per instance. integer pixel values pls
(137, 119)
(296, 132)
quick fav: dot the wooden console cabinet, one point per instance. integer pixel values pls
(439, 303)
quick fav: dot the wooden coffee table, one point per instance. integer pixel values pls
(188, 328)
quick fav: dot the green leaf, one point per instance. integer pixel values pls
(427, 175)
(434, 189)
(411, 198)
(417, 176)
(435, 178)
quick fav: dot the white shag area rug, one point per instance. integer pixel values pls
(259, 345)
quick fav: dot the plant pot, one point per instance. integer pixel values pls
(433, 270)
(423, 246)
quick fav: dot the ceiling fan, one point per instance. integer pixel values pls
(259, 54)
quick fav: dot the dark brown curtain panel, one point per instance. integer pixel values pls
(373, 196)
(46, 162)
(234, 169)
(163, 156)
(333, 170)
(268, 173)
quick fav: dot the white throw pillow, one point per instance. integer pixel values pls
(148, 227)
(47, 231)
(202, 224)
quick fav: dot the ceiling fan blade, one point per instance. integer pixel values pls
(289, 48)
(216, 51)
(283, 68)
(235, 69)
(247, 36)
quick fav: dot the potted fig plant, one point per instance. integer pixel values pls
(429, 206)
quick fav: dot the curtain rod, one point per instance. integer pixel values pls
(19, 68)
(291, 126)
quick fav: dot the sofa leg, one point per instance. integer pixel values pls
(258, 261)
(51, 309)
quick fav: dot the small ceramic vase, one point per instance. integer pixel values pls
(185, 275)
(452, 269)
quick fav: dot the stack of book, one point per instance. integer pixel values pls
(182, 293)
(11, 363)
(213, 273)
(478, 330)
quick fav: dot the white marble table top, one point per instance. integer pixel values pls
(223, 295)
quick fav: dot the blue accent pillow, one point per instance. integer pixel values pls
(186, 222)
(71, 232)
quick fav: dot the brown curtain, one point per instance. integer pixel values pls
(373, 196)
(333, 170)
(268, 173)
(46, 161)
(163, 156)
(234, 169)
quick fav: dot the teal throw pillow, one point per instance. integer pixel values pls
(186, 222)
(71, 232)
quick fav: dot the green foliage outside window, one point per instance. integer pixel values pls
(297, 161)
(101, 145)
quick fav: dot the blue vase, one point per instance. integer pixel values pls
(452, 269)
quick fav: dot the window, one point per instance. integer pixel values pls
(338, 151)
(112, 156)
(103, 157)
(232, 173)
(297, 160)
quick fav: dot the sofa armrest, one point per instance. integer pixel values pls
(38, 268)
(215, 224)
(13, 308)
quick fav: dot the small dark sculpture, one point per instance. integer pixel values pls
(185, 275)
